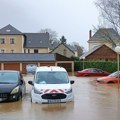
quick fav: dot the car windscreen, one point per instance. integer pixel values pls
(8, 77)
(51, 78)
(115, 74)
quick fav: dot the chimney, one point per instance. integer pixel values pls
(90, 34)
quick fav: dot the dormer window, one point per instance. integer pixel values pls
(29, 42)
(41, 42)
(8, 30)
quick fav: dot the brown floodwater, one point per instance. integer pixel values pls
(93, 101)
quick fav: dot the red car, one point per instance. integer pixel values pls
(112, 78)
(92, 72)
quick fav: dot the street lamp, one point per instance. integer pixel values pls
(83, 62)
(117, 49)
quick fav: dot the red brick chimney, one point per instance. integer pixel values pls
(90, 34)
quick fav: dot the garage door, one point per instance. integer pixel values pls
(47, 64)
(67, 66)
(11, 66)
(24, 67)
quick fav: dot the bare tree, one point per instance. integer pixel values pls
(79, 48)
(110, 12)
(52, 34)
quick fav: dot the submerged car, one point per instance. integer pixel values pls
(112, 78)
(51, 85)
(12, 85)
(91, 72)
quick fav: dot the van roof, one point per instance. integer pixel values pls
(50, 68)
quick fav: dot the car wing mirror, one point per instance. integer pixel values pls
(30, 82)
(72, 81)
(21, 82)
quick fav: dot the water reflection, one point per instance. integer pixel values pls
(10, 107)
(58, 107)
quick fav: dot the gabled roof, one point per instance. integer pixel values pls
(36, 40)
(90, 51)
(32, 57)
(9, 30)
(105, 34)
(71, 48)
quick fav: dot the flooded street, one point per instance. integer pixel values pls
(93, 101)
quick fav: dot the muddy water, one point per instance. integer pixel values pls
(93, 101)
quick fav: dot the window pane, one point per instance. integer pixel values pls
(52, 78)
(12, 40)
(2, 40)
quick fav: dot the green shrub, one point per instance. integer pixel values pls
(109, 66)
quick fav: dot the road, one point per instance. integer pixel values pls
(93, 101)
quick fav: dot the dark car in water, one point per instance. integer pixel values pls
(12, 85)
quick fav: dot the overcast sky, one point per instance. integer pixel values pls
(71, 18)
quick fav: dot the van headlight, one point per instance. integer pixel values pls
(37, 91)
(69, 91)
(15, 90)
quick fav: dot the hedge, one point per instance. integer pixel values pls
(108, 66)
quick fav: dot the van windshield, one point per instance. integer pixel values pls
(8, 77)
(51, 77)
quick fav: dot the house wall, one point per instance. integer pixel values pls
(60, 50)
(76, 54)
(17, 46)
(103, 53)
(93, 44)
(40, 50)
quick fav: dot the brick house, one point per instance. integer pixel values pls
(101, 52)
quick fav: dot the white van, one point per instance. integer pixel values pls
(51, 85)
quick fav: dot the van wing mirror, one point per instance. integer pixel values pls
(72, 81)
(30, 82)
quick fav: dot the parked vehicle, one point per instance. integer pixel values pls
(112, 78)
(51, 85)
(92, 72)
(30, 68)
(12, 85)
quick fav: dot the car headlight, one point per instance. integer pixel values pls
(37, 91)
(15, 90)
(69, 91)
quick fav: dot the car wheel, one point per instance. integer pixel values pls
(86, 75)
(110, 82)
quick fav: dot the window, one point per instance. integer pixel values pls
(12, 40)
(35, 51)
(65, 52)
(28, 50)
(2, 50)
(12, 51)
(2, 40)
